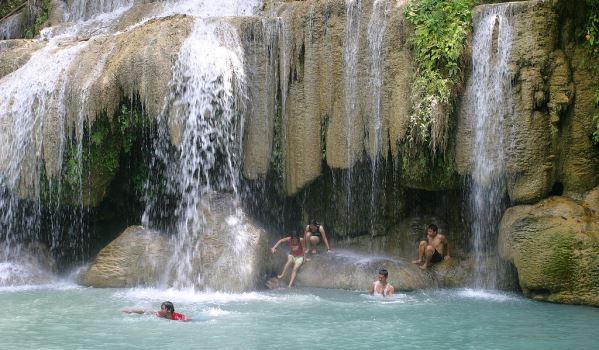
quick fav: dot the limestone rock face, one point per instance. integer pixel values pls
(547, 138)
(349, 271)
(554, 245)
(137, 257)
(345, 269)
(15, 53)
(230, 254)
(344, 84)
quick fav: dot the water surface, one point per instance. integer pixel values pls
(65, 316)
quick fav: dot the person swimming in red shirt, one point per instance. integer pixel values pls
(167, 310)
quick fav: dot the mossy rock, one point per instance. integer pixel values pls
(554, 245)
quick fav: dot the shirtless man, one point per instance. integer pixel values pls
(380, 286)
(432, 250)
(312, 236)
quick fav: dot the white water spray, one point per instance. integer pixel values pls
(490, 105)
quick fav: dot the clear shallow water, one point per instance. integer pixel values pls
(72, 317)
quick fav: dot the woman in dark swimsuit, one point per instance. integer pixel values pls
(312, 237)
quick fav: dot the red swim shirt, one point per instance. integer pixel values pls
(179, 317)
(175, 316)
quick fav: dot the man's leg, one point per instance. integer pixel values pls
(287, 264)
(296, 267)
(314, 240)
(421, 252)
(428, 254)
(307, 237)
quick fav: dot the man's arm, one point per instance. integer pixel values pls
(324, 237)
(131, 310)
(391, 291)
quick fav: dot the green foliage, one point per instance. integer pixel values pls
(591, 36)
(440, 32)
(40, 20)
(6, 7)
(89, 164)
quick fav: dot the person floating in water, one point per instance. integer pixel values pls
(167, 310)
(296, 255)
(380, 286)
(433, 249)
(312, 237)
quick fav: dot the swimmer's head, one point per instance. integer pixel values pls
(383, 274)
(168, 306)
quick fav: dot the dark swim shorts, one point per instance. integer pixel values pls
(436, 257)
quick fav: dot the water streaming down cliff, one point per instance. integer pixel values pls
(31, 109)
(85, 9)
(34, 106)
(489, 97)
(350, 91)
(205, 101)
(9, 27)
(376, 32)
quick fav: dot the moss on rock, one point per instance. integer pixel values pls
(554, 245)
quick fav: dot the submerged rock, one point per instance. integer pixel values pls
(554, 245)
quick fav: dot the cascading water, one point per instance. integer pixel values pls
(350, 91)
(207, 96)
(85, 9)
(9, 26)
(490, 107)
(32, 100)
(207, 81)
(376, 33)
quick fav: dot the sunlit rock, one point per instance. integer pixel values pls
(137, 257)
(230, 253)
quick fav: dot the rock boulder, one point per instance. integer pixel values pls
(554, 245)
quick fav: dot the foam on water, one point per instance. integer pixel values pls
(190, 296)
(361, 259)
(488, 295)
(58, 285)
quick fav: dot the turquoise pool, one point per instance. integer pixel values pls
(67, 316)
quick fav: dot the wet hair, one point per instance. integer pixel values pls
(315, 223)
(168, 305)
(295, 234)
(384, 273)
(433, 227)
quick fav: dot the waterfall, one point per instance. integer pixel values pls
(206, 99)
(376, 33)
(86, 9)
(490, 106)
(10, 26)
(205, 106)
(32, 105)
(350, 91)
